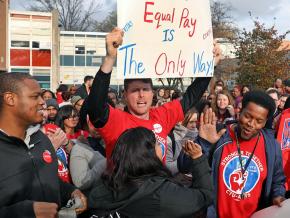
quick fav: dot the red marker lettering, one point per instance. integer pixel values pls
(148, 13)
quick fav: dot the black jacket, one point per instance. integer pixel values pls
(82, 91)
(26, 177)
(157, 197)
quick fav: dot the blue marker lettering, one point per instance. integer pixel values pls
(137, 67)
(201, 66)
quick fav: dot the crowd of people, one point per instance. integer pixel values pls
(208, 152)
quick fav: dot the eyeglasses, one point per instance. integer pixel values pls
(71, 117)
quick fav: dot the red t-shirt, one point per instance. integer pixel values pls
(283, 137)
(161, 120)
(231, 182)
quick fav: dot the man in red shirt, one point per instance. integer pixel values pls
(246, 159)
(138, 94)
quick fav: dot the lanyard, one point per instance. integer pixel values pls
(244, 168)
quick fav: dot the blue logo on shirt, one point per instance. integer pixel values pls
(234, 178)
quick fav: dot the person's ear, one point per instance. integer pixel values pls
(9, 98)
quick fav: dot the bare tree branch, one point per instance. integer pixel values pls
(222, 22)
(73, 14)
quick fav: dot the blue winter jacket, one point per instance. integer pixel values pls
(274, 183)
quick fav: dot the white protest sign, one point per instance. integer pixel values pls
(165, 39)
(274, 211)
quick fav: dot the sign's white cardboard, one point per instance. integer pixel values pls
(165, 39)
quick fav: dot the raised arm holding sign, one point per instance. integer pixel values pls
(138, 89)
(138, 95)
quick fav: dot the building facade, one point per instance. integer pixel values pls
(36, 46)
(30, 42)
(3, 35)
(81, 54)
(30, 45)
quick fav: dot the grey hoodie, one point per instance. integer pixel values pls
(86, 165)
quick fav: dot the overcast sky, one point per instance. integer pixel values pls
(268, 11)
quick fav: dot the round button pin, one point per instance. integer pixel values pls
(47, 156)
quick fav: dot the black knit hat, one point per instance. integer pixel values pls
(52, 102)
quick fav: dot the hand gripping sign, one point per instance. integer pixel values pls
(165, 39)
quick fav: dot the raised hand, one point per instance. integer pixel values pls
(113, 40)
(207, 128)
(57, 137)
(192, 149)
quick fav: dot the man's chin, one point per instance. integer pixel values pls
(139, 110)
(140, 113)
(247, 136)
(39, 120)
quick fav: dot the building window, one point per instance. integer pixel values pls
(35, 44)
(80, 35)
(43, 79)
(66, 60)
(67, 35)
(91, 36)
(19, 70)
(22, 44)
(79, 49)
(94, 61)
(80, 61)
(91, 52)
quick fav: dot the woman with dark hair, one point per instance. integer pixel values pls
(191, 119)
(47, 94)
(68, 121)
(137, 184)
